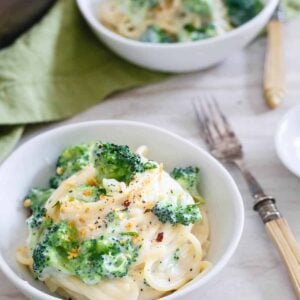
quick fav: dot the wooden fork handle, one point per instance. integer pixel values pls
(281, 235)
(274, 81)
(286, 244)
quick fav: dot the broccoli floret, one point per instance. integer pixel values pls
(189, 214)
(54, 248)
(105, 257)
(115, 265)
(91, 260)
(88, 264)
(72, 160)
(36, 219)
(192, 33)
(35, 225)
(37, 199)
(200, 7)
(241, 11)
(173, 212)
(188, 178)
(116, 162)
(153, 34)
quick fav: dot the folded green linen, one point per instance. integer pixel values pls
(58, 69)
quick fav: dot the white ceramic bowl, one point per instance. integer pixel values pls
(287, 140)
(179, 57)
(32, 164)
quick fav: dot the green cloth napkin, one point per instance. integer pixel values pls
(58, 69)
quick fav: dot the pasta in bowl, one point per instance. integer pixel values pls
(173, 38)
(113, 221)
(211, 231)
(169, 21)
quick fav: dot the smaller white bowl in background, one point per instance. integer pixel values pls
(287, 140)
(177, 57)
(33, 163)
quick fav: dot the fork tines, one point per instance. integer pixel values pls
(214, 124)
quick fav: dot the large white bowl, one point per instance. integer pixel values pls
(32, 164)
(179, 57)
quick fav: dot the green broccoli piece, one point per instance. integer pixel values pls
(116, 162)
(72, 160)
(92, 260)
(37, 219)
(173, 212)
(241, 11)
(88, 265)
(105, 257)
(115, 265)
(153, 34)
(37, 199)
(200, 7)
(188, 178)
(53, 249)
(192, 33)
(35, 225)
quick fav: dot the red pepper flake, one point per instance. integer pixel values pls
(126, 203)
(160, 237)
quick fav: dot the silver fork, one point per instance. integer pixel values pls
(226, 147)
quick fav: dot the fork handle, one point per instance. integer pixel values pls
(286, 244)
(283, 239)
(274, 84)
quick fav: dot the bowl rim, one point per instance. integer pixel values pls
(99, 27)
(27, 288)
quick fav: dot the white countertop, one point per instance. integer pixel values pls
(255, 271)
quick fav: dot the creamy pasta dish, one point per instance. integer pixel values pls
(114, 224)
(169, 21)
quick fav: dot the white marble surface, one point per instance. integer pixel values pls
(255, 271)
